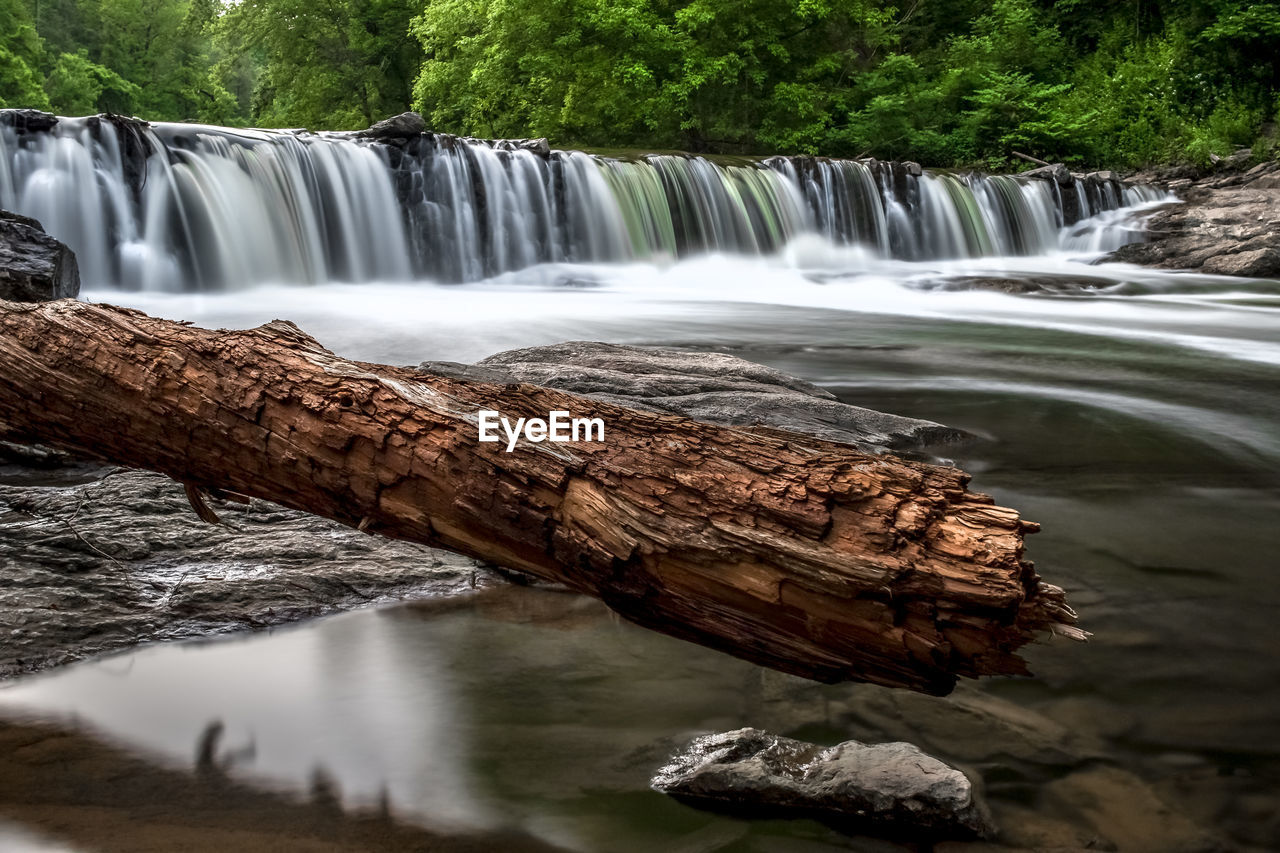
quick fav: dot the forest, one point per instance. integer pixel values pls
(957, 83)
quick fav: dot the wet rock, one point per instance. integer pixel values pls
(132, 137)
(713, 387)
(1221, 231)
(973, 726)
(539, 146)
(34, 267)
(880, 788)
(403, 125)
(1054, 172)
(1103, 176)
(123, 560)
(1022, 283)
(33, 121)
(914, 169)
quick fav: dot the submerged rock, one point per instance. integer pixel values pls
(883, 788)
(713, 387)
(34, 267)
(1121, 808)
(1018, 284)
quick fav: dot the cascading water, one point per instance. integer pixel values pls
(188, 207)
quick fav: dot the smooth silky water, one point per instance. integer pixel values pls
(1135, 421)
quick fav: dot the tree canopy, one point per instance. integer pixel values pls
(946, 83)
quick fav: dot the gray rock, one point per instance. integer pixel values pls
(1022, 283)
(1055, 172)
(34, 267)
(94, 567)
(1258, 263)
(539, 146)
(1107, 176)
(713, 387)
(28, 120)
(1238, 158)
(405, 124)
(914, 169)
(882, 788)
(1123, 809)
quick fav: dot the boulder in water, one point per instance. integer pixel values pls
(539, 146)
(883, 788)
(405, 124)
(1053, 172)
(28, 120)
(34, 267)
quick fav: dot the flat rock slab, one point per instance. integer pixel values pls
(714, 387)
(102, 566)
(888, 788)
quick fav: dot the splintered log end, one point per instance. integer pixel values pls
(795, 553)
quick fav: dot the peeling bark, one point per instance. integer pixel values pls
(802, 555)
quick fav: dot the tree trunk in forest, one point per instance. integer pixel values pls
(802, 555)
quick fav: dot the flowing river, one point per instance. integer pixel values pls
(1136, 420)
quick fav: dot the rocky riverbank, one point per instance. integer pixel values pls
(1227, 221)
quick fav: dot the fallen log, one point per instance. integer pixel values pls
(799, 554)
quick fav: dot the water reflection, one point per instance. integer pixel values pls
(74, 789)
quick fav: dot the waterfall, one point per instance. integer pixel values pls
(190, 207)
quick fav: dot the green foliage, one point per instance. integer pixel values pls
(1089, 82)
(335, 64)
(19, 57)
(78, 86)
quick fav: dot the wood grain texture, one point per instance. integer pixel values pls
(802, 555)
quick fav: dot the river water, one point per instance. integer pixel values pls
(1137, 423)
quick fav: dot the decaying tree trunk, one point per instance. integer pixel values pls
(805, 556)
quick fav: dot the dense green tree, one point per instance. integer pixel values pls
(964, 82)
(20, 53)
(330, 64)
(78, 86)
